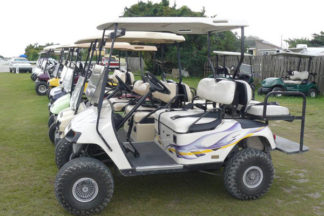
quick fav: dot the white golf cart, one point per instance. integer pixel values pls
(186, 139)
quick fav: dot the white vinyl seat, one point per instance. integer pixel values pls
(272, 110)
(180, 121)
(119, 103)
(297, 77)
(140, 113)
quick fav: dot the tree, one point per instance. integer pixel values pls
(317, 40)
(32, 50)
(194, 50)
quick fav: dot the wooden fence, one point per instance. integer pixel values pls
(276, 66)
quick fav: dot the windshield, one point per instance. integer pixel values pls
(76, 93)
(21, 60)
(94, 84)
(246, 69)
(67, 81)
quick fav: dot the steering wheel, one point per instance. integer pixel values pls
(122, 85)
(156, 84)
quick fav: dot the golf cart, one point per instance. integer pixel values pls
(245, 71)
(68, 109)
(44, 61)
(297, 80)
(125, 95)
(187, 139)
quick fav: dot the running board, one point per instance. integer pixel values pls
(288, 146)
(158, 168)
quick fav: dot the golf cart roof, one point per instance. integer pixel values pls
(141, 37)
(83, 45)
(293, 54)
(144, 48)
(120, 46)
(178, 25)
(226, 53)
(52, 47)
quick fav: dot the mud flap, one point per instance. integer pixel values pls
(288, 146)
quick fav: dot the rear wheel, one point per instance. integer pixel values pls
(41, 88)
(63, 151)
(278, 88)
(312, 93)
(248, 174)
(84, 186)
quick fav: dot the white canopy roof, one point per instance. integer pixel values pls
(293, 54)
(178, 25)
(144, 48)
(141, 37)
(52, 47)
(227, 53)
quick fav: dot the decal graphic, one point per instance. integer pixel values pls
(196, 149)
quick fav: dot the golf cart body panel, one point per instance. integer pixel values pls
(84, 125)
(60, 104)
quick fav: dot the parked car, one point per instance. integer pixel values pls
(17, 65)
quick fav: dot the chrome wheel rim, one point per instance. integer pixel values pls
(313, 94)
(253, 177)
(85, 189)
(42, 89)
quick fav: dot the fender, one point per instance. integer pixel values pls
(84, 124)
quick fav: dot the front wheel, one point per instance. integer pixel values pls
(41, 88)
(63, 151)
(248, 174)
(51, 132)
(312, 93)
(84, 186)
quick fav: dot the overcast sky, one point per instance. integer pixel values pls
(64, 21)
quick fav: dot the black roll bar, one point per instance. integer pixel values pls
(103, 85)
(179, 63)
(242, 54)
(209, 55)
(291, 118)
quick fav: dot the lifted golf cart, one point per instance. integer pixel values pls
(187, 139)
(297, 80)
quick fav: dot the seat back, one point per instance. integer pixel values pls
(243, 95)
(296, 75)
(126, 77)
(175, 89)
(141, 88)
(95, 83)
(221, 91)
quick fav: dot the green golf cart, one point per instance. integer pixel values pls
(294, 81)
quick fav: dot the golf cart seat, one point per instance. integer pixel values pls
(126, 77)
(297, 77)
(255, 108)
(196, 120)
(143, 122)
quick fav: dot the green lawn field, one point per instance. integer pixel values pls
(27, 168)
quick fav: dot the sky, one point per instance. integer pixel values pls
(65, 21)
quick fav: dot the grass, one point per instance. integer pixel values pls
(27, 170)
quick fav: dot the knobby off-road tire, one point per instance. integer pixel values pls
(248, 174)
(41, 88)
(312, 93)
(63, 151)
(51, 132)
(51, 120)
(84, 186)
